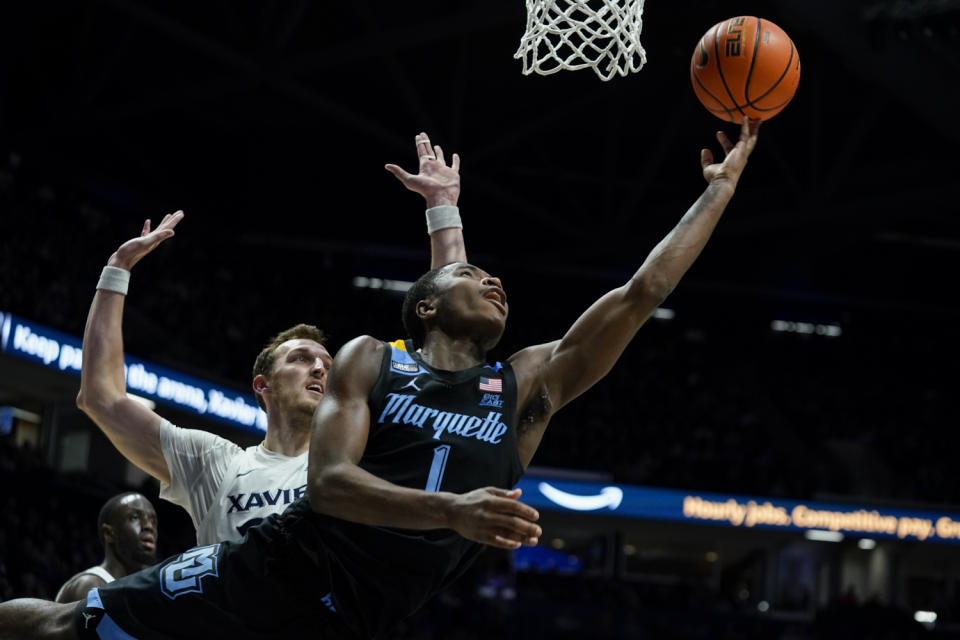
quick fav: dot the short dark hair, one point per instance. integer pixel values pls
(423, 288)
(109, 511)
(264, 362)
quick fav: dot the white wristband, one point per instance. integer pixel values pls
(114, 279)
(443, 217)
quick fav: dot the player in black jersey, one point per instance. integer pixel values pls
(414, 449)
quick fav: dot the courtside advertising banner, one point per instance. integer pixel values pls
(744, 512)
(56, 350)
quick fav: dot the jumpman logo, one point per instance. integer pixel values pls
(87, 617)
(412, 383)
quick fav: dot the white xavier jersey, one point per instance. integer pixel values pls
(98, 571)
(226, 489)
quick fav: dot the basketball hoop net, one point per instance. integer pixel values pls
(575, 34)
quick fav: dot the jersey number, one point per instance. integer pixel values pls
(183, 575)
(440, 455)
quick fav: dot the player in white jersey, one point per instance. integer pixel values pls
(227, 489)
(223, 487)
(127, 529)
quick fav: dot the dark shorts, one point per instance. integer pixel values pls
(263, 587)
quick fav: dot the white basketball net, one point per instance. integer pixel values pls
(575, 34)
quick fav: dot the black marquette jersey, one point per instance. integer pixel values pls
(432, 430)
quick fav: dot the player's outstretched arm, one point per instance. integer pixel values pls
(440, 187)
(35, 619)
(132, 428)
(551, 375)
(337, 486)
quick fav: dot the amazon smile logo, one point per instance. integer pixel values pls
(609, 497)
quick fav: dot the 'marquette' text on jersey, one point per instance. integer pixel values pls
(404, 411)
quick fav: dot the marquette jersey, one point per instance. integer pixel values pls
(432, 430)
(226, 489)
(300, 574)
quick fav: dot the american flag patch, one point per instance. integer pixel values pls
(494, 385)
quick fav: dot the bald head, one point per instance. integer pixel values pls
(127, 528)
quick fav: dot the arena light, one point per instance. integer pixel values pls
(662, 313)
(866, 543)
(926, 617)
(807, 328)
(4, 330)
(363, 282)
(9, 414)
(823, 535)
(26, 416)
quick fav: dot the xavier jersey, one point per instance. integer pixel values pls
(98, 571)
(433, 430)
(227, 489)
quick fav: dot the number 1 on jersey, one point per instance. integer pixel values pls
(440, 455)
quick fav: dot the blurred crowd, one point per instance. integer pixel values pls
(712, 400)
(705, 401)
(770, 414)
(547, 606)
(48, 529)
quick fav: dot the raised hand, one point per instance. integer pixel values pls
(132, 250)
(435, 181)
(494, 516)
(735, 154)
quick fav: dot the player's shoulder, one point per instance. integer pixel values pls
(196, 440)
(530, 360)
(77, 586)
(361, 345)
(532, 371)
(362, 350)
(357, 364)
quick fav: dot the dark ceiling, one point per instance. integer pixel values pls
(270, 123)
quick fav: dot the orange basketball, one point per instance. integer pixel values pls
(745, 66)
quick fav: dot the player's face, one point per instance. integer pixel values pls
(135, 532)
(299, 375)
(472, 302)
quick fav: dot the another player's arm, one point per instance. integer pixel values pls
(440, 186)
(446, 246)
(337, 486)
(132, 428)
(78, 586)
(551, 375)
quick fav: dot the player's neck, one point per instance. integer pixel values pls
(287, 437)
(440, 351)
(112, 565)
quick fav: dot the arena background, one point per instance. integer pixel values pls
(809, 355)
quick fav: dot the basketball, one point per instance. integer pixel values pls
(745, 66)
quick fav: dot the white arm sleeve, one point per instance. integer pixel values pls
(197, 461)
